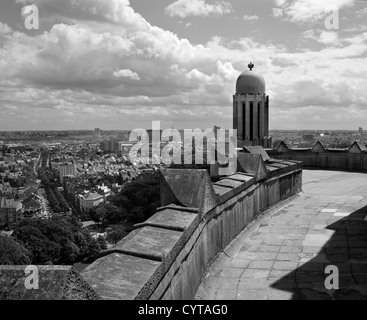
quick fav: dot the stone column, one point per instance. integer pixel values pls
(255, 117)
(267, 116)
(247, 126)
(235, 113)
(240, 118)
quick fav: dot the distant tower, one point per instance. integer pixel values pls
(97, 132)
(251, 110)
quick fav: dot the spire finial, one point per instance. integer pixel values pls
(251, 66)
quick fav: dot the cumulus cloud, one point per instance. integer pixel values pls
(98, 66)
(301, 11)
(328, 37)
(250, 18)
(4, 28)
(322, 36)
(99, 55)
(126, 73)
(362, 12)
(277, 12)
(187, 8)
(309, 34)
(119, 13)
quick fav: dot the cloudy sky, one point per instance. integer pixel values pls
(119, 64)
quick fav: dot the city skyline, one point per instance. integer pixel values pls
(119, 65)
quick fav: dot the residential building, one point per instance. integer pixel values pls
(32, 205)
(11, 212)
(104, 191)
(5, 188)
(112, 146)
(66, 170)
(89, 200)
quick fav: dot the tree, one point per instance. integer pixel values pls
(81, 239)
(93, 249)
(56, 240)
(13, 252)
(117, 234)
(41, 248)
(114, 215)
(98, 215)
(102, 243)
(136, 215)
(69, 253)
(138, 199)
(56, 209)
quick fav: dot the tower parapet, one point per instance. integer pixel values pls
(353, 158)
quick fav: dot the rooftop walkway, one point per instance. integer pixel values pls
(283, 255)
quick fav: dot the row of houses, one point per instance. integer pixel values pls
(19, 193)
(13, 211)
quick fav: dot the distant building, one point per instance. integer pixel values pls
(66, 170)
(90, 200)
(32, 205)
(360, 130)
(111, 146)
(97, 132)
(104, 191)
(53, 145)
(73, 186)
(5, 188)
(30, 190)
(11, 212)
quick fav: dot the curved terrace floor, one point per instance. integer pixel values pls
(283, 255)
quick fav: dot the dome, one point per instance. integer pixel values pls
(250, 82)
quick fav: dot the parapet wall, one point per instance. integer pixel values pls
(166, 256)
(351, 159)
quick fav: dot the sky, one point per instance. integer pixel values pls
(121, 64)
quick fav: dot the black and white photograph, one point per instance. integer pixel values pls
(187, 154)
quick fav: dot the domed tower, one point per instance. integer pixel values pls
(251, 110)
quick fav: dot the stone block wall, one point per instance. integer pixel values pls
(172, 250)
